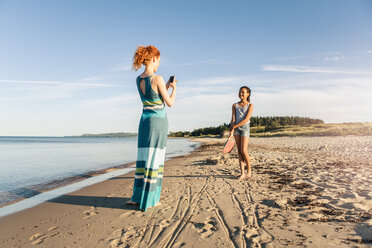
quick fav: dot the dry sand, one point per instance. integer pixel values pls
(305, 192)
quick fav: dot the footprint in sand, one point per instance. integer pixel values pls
(90, 212)
(116, 243)
(52, 228)
(165, 209)
(164, 223)
(38, 238)
(126, 214)
(210, 209)
(206, 228)
(179, 244)
(124, 237)
(115, 238)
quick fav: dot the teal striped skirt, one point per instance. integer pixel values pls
(152, 139)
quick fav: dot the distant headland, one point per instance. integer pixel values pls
(108, 135)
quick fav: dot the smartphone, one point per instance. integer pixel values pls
(171, 79)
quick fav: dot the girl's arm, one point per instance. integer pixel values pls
(160, 84)
(247, 117)
(231, 128)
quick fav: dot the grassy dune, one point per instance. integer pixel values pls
(330, 129)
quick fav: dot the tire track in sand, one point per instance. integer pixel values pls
(221, 219)
(251, 233)
(183, 216)
(165, 223)
(244, 218)
(266, 236)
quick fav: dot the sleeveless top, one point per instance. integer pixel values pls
(153, 103)
(241, 113)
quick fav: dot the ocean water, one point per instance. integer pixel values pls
(31, 164)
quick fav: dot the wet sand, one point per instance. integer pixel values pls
(305, 192)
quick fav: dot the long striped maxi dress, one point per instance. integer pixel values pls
(152, 138)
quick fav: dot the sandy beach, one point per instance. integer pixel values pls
(305, 192)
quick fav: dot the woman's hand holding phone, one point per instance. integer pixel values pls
(171, 82)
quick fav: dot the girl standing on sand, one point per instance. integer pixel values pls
(153, 128)
(239, 127)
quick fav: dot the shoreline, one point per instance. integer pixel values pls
(37, 189)
(59, 183)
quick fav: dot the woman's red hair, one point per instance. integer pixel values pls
(143, 56)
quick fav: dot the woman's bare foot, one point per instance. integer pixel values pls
(249, 175)
(242, 177)
(130, 202)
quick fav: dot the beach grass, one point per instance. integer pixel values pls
(329, 129)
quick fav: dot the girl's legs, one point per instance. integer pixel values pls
(244, 151)
(241, 158)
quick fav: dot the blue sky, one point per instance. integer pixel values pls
(65, 65)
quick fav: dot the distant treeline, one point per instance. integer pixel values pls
(201, 131)
(276, 121)
(268, 123)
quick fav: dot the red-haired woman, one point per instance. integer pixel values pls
(153, 128)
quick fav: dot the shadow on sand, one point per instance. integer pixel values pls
(96, 201)
(115, 202)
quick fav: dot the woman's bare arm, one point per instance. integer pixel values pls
(161, 87)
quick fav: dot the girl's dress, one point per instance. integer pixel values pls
(152, 138)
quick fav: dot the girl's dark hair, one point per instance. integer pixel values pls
(249, 91)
